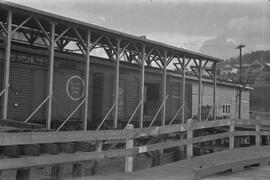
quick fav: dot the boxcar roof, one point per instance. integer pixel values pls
(23, 10)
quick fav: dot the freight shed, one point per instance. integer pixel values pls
(28, 79)
(68, 73)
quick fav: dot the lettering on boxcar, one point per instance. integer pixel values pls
(75, 88)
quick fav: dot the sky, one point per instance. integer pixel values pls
(212, 27)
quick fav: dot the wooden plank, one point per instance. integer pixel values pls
(198, 166)
(253, 122)
(245, 133)
(209, 124)
(64, 136)
(199, 173)
(162, 145)
(158, 130)
(44, 160)
(19, 124)
(210, 137)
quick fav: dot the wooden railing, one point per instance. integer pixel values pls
(128, 136)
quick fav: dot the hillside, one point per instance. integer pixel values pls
(256, 73)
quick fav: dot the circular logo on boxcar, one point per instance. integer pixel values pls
(75, 88)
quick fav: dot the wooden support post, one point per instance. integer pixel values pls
(214, 90)
(49, 148)
(78, 170)
(232, 127)
(189, 138)
(57, 172)
(142, 87)
(117, 82)
(7, 64)
(129, 145)
(12, 151)
(87, 74)
(183, 90)
(96, 162)
(51, 72)
(164, 92)
(258, 137)
(30, 149)
(23, 174)
(199, 94)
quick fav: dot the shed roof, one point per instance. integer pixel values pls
(19, 10)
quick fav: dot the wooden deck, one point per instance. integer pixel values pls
(252, 173)
(199, 167)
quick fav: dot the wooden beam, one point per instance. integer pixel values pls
(62, 34)
(183, 91)
(51, 74)
(189, 138)
(116, 80)
(3, 27)
(214, 90)
(61, 136)
(24, 162)
(96, 42)
(209, 124)
(142, 86)
(87, 75)
(20, 25)
(162, 145)
(42, 29)
(7, 65)
(200, 93)
(164, 91)
(211, 137)
(129, 145)
(232, 129)
(80, 39)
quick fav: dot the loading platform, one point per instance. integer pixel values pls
(198, 167)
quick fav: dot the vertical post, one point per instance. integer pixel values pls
(214, 90)
(7, 63)
(163, 117)
(97, 161)
(117, 82)
(258, 136)
(199, 93)
(240, 79)
(142, 87)
(51, 72)
(183, 90)
(87, 73)
(240, 91)
(232, 126)
(23, 174)
(189, 139)
(129, 145)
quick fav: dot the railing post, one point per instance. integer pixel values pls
(96, 162)
(189, 139)
(129, 145)
(232, 127)
(258, 136)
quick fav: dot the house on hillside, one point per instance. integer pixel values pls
(256, 66)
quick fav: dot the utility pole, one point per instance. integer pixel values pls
(240, 79)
